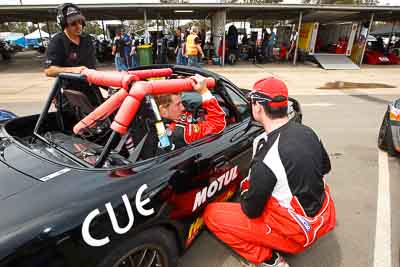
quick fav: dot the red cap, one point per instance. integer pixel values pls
(274, 89)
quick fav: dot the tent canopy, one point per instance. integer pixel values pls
(36, 35)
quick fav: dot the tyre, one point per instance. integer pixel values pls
(385, 138)
(151, 248)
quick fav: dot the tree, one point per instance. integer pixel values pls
(53, 27)
(201, 24)
(18, 27)
(93, 27)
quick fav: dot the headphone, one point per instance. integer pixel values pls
(61, 14)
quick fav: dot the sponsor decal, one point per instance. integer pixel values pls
(91, 241)
(194, 230)
(384, 59)
(304, 222)
(183, 118)
(196, 128)
(215, 186)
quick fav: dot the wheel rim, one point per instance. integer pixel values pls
(144, 256)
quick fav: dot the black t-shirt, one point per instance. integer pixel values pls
(120, 44)
(178, 41)
(62, 52)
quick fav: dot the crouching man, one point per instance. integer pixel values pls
(285, 204)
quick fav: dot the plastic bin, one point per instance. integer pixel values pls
(145, 53)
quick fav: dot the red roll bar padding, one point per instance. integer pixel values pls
(126, 114)
(174, 86)
(102, 111)
(154, 73)
(114, 79)
(139, 90)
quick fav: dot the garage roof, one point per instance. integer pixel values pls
(132, 11)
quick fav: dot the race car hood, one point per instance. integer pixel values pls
(13, 182)
(18, 162)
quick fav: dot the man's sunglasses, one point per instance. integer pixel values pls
(256, 97)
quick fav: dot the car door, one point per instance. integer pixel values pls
(212, 168)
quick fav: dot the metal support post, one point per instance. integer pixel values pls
(48, 29)
(40, 33)
(146, 30)
(104, 29)
(366, 39)
(297, 38)
(223, 39)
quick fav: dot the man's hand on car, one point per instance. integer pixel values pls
(78, 69)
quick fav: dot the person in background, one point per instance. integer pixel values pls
(178, 46)
(193, 48)
(118, 52)
(133, 53)
(127, 50)
(184, 56)
(270, 46)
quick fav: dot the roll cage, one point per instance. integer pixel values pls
(123, 105)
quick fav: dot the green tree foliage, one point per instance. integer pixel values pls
(21, 27)
(201, 24)
(93, 27)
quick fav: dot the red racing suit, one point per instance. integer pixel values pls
(287, 205)
(186, 131)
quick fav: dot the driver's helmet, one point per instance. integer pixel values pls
(6, 115)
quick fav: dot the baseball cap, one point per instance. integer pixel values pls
(272, 90)
(73, 14)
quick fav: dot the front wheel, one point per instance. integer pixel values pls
(151, 248)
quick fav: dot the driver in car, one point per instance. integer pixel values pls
(181, 126)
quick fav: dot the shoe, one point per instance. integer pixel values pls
(279, 262)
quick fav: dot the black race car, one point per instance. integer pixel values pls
(389, 133)
(89, 199)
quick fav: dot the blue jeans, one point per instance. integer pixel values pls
(193, 61)
(184, 60)
(135, 61)
(179, 57)
(120, 64)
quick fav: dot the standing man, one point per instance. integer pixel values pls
(127, 50)
(72, 50)
(178, 46)
(118, 51)
(193, 48)
(285, 204)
